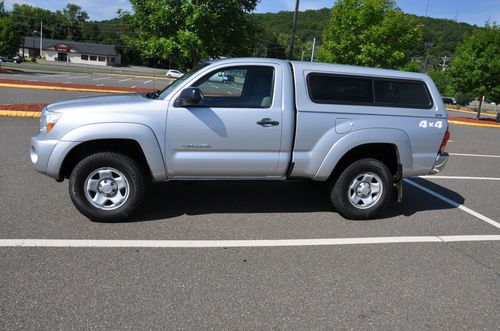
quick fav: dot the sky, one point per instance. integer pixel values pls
(470, 11)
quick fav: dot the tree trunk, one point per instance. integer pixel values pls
(481, 100)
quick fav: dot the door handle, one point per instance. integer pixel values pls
(267, 122)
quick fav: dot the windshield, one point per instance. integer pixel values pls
(180, 80)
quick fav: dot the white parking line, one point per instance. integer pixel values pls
(459, 177)
(239, 243)
(133, 86)
(124, 80)
(102, 78)
(54, 75)
(476, 155)
(455, 204)
(148, 81)
(78, 77)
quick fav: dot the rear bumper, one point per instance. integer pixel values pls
(440, 162)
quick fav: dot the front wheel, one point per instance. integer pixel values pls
(363, 189)
(107, 186)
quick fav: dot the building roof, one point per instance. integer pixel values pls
(81, 47)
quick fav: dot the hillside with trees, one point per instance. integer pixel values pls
(441, 35)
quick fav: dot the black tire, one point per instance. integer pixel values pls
(169, 76)
(131, 194)
(353, 194)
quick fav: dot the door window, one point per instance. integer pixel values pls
(238, 87)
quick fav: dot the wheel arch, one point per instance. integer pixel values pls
(128, 147)
(135, 140)
(390, 146)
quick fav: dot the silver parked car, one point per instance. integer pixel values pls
(360, 129)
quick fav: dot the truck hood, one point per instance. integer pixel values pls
(100, 102)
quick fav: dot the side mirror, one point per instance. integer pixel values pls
(190, 96)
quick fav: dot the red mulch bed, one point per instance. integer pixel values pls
(23, 107)
(489, 121)
(93, 87)
(5, 71)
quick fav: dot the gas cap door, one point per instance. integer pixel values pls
(343, 125)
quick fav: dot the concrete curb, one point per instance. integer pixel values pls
(19, 113)
(474, 124)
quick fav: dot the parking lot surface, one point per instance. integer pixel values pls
(156, 80)
(349, 285)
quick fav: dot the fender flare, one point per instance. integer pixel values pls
(140, 133)
(362, 137)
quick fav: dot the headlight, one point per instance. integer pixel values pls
(48, 120)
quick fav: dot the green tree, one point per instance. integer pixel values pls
(9, 42)
(475, 67)
(73, 18)
(371, 33)
(184, 31)
(2, 9)
(443, 82)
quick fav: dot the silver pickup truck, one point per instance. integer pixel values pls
(359, 129)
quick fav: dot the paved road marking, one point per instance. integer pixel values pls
(133, 86)
(33, 80)
(125, 80)
(61, 88)
(474, 124)
(66, 82)
(54, 75)
(454, 204)
(19, 113)
(476, 155)
(239, 243)
(78, 77)
(148, 81)
(100, 85)
(102, 78)
(459, 177)
(156, 76)
(470, 112)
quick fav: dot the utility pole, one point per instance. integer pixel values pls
(302, 58)
(427, 8)
(427, 45)
(313, 49)
(294, 27)
(445, 60)
(41, 37)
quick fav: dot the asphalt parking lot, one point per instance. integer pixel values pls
(331, 277)
(98, 78)
(251, 255)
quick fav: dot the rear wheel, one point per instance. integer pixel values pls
(107, 186)
(363, 189)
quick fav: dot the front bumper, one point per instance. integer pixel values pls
(48, 155)
(440, 162)
(40, 151)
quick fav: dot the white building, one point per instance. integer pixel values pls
(71, 51)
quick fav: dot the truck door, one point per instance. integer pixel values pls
(235, 132)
